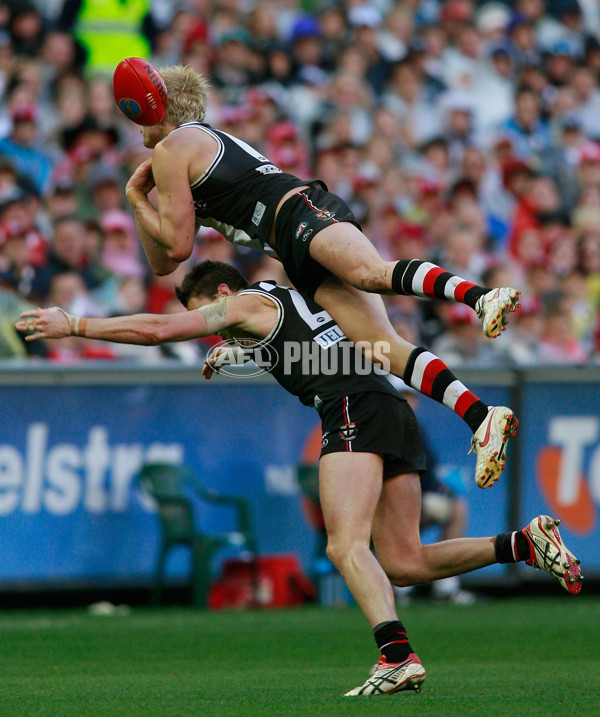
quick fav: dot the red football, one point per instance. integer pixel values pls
(140, 91)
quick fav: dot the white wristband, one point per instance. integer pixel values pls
(215, 316)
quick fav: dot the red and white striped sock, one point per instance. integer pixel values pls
(429, 375)
(413, 277)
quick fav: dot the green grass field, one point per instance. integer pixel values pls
(506, 657)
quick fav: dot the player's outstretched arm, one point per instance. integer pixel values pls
(246, 312)
(144, 329)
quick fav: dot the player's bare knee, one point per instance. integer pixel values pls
(334, 552)
(340, 551)
(337, 552)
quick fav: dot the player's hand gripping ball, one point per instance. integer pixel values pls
(140, 91)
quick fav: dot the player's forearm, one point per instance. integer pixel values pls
(146, 329)
(143, 329)
(147, 222)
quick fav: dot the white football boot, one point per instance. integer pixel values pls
(389, 677)
(493, 308)
(549, 553)
(489, 444)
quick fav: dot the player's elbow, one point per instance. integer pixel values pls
(179, 252)
(164, 266)
(178, 244)
(164, 269)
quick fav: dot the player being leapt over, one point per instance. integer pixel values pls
(204, 176)
(371, 453)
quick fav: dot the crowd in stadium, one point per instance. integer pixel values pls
(459, 131)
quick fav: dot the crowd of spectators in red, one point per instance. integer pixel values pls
(464, 132)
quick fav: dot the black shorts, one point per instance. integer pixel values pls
(299, 220)
(378, 423)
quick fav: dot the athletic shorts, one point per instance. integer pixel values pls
(300, 219)
(378, 423)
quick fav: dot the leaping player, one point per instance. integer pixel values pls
(204, 176)
(371, 453)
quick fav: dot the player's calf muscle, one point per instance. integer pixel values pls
(377, 282)
(363, 276)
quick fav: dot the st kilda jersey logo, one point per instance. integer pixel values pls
(348, 431)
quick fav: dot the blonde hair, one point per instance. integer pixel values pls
(188, 93)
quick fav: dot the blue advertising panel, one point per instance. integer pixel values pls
(70, 449)
(69, 507)
(561, 462)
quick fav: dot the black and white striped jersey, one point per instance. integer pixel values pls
(308, 354)
(238, 194)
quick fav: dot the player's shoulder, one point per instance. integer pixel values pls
(246, 304)
(186, 134)
(260, 288)
(187, 146)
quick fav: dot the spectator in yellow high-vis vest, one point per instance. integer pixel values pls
(108, 30)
